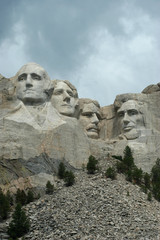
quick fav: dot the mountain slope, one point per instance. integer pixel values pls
(95, 208)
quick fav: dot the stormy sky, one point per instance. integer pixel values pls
(104, 47)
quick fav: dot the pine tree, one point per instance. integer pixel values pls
(9, 197)
(110, 173)
(4, 206)
(149, 196)
(129, 176)
(92, 164)
(128, 159)
(147, 180)
(137, 174)
(121, 167)
(155, 172)
(69, 178)
(21, 197)
(30, 196)
(20, 223)
(61, 170)
(49, 188)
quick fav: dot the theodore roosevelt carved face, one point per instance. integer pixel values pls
(32, 81)
(130, 118)
(89, 117)
(65, 97)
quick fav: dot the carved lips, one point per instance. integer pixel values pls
(128, 127)
(93, 128)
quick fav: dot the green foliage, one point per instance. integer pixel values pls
(144, 189)
(61, 170)
(9, 197)
(156, 172)
(4, 206)
(137, 175)
(128, 159)
(149, 196)
(20, 223)
(126, 163)
(21, 197)
(156, 191)
(92, 164)
(49, 188)
(30, 196)
(134, 174)
(121, 167)
(117, 157)
(129, 176)
(147, 180)
(69, 178)
(110, 173)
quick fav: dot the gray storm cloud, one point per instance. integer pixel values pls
(103, 47)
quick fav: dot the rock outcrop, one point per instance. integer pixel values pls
(43, 122)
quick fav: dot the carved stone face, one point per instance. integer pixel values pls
(89, 119)
(130, 117)
(31, 84)
(63, 99)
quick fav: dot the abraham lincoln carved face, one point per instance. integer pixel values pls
(130, 118)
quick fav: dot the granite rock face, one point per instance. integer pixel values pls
(43, 122)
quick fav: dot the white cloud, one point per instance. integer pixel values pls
(122, 63)
(12, 52)
(106, 50)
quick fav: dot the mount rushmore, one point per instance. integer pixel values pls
(44, 122)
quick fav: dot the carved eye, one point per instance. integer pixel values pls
(98, 116)
(121, 114)
(87, 114)
(36, 76)
(70, 93)
(58, 92)
(132, 112)
(22, 77)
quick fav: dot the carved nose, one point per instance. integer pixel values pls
(95, 119)
(66, 96)
(126, 118)
(29, 81)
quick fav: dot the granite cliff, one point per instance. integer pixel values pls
(43, 122)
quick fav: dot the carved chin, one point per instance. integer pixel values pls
(66, 110)
(67, 113)
(92, 134)
(133, 134)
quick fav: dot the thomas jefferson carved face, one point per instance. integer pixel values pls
(89, 119)
(32, 81)
(130, 117)
(63, 99)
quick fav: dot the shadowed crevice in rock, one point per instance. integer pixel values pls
(43, 163)
(11, 169)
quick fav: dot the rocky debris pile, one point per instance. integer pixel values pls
(94, 208)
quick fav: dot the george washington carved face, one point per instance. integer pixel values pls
(32, 81)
